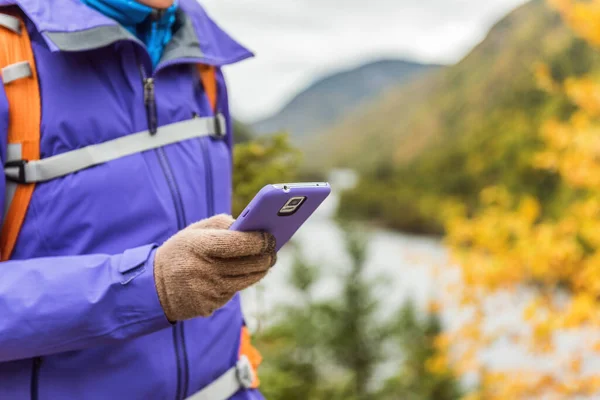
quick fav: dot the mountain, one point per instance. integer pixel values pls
(459, 130)
(334, 96)
(496, 76)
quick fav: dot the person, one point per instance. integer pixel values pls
(112, 289)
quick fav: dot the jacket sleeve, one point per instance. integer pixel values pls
(58, 304)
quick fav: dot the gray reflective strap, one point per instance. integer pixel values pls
(14, 152)
(77, 160)
(16, 71)
(238, 377)
(11, 23)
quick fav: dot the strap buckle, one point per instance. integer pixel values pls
(19, 177)
(245, 373)
(220, 128)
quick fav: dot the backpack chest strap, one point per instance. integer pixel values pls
(22, 171)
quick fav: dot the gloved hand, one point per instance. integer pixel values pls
(203, 266)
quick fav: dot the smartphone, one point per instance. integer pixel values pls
(281, 209)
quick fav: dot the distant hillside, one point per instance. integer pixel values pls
(330, 98)
(461, 99)
(462, 129)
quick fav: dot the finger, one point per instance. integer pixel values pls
(221, 221)
(227, 244)
(216, 299)
(247, 265)
(245, 281)
(225, 288)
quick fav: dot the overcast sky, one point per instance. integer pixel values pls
(298, 41)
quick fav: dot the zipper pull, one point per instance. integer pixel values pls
(150, 102)
(149, 98)
(148, 90)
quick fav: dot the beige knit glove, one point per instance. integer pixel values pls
(203, 266)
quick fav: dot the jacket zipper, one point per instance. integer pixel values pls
(35, 373)
(209, 178)
(150, 102)
(178, 328)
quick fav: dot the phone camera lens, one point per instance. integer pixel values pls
(292, 205)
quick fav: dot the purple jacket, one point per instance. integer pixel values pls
(79, 313)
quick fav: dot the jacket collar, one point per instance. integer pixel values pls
(70, 25)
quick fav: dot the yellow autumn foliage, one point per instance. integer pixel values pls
(511, 246)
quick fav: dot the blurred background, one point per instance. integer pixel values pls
(459, 255)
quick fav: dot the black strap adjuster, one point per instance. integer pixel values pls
(20, 164)
(220, 130)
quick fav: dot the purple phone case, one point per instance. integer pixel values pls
(262, 212)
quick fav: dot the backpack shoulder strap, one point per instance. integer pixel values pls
(248, 350)
(208, 76)
(20, 80)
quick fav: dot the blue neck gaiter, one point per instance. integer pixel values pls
(153, 27)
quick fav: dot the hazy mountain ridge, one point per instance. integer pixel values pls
(337, 95)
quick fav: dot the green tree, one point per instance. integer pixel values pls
(242, 133)
(355, 336)
(416, 344)
(291, 346)
(259, 162)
